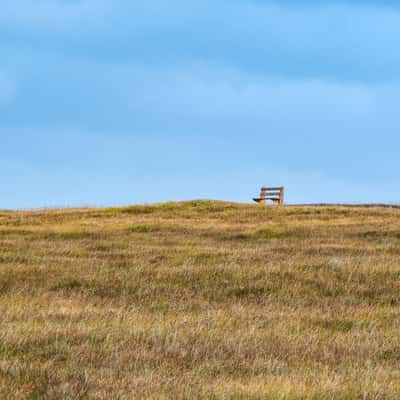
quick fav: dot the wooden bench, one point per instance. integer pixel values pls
(276, 195)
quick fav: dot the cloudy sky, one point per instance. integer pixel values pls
(107, 102)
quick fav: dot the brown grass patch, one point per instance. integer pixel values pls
(200, 300)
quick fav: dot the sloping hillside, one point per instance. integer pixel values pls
(205, 300)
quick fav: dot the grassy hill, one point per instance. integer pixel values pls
(200, 300)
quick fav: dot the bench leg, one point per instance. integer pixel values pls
(282, 197)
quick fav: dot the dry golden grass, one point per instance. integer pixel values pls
(200, 300)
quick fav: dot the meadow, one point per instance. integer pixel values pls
(200, 300)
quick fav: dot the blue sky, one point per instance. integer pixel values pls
(108, 102)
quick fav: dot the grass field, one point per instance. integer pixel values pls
(200, 300)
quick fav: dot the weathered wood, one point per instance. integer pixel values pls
(276, 195)
(274, 188)
(282, 196)
(260, 200)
